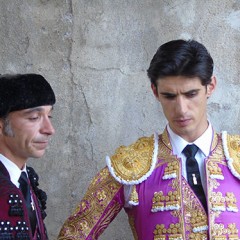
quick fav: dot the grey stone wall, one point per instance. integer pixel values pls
(95, 54)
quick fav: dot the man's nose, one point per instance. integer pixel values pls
(47, 127)
(181, 105)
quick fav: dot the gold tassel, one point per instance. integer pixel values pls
(134, 196)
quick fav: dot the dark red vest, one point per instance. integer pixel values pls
(14, 220)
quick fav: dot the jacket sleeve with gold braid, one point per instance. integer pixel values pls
(102, 202)
(130, 165)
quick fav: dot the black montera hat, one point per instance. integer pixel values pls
(22, 91)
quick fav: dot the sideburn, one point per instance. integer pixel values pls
(7, 129)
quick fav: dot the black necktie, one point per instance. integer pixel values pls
(193, 174)
(25, 188)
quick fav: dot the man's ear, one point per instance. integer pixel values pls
(211, 86)
(154, 89)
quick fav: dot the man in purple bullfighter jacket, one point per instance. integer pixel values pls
(181, 184)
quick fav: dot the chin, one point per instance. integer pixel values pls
(38, 154)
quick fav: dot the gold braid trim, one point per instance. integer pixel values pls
(96, 210)
(134, 163)
(231, 146)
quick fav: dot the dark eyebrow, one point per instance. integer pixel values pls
(167, 94)
(191, 91)
(184, 93)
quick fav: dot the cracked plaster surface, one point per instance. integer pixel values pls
(95, 55)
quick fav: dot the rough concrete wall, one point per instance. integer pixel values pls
(95, 54)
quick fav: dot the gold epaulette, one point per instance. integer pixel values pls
(134, 163)
(231, 147)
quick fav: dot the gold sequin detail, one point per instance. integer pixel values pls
(133, 162)
(217, 201)
(215, 171)
(171, 170)
(169, 202)
(221, 203)
(174, 232)
(198, 221)
(231, 201)
(134, 196)
(195, 217)
(219, 232)
(233, 145)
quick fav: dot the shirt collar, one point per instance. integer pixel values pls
(203, 142)
(12, 169)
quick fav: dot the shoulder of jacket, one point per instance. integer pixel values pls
(133, 164)
(231, 148)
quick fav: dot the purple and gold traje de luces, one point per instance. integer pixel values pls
(145, 179)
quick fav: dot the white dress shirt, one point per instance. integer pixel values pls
(203, 143)
(12, 169)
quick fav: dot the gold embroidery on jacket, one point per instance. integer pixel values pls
(90, 210)
(134, 161)
(171, 201)
(195, 218)
(195, 215)
(221, 203)
(164, 203)
(219, 232)
(218, 202)
(158, 202)
(231, 202)
(215, 171)
(171, 170)
(233, 145)
(134, 196)
(174, 232)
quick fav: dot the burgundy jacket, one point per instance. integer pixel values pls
(14, 220)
